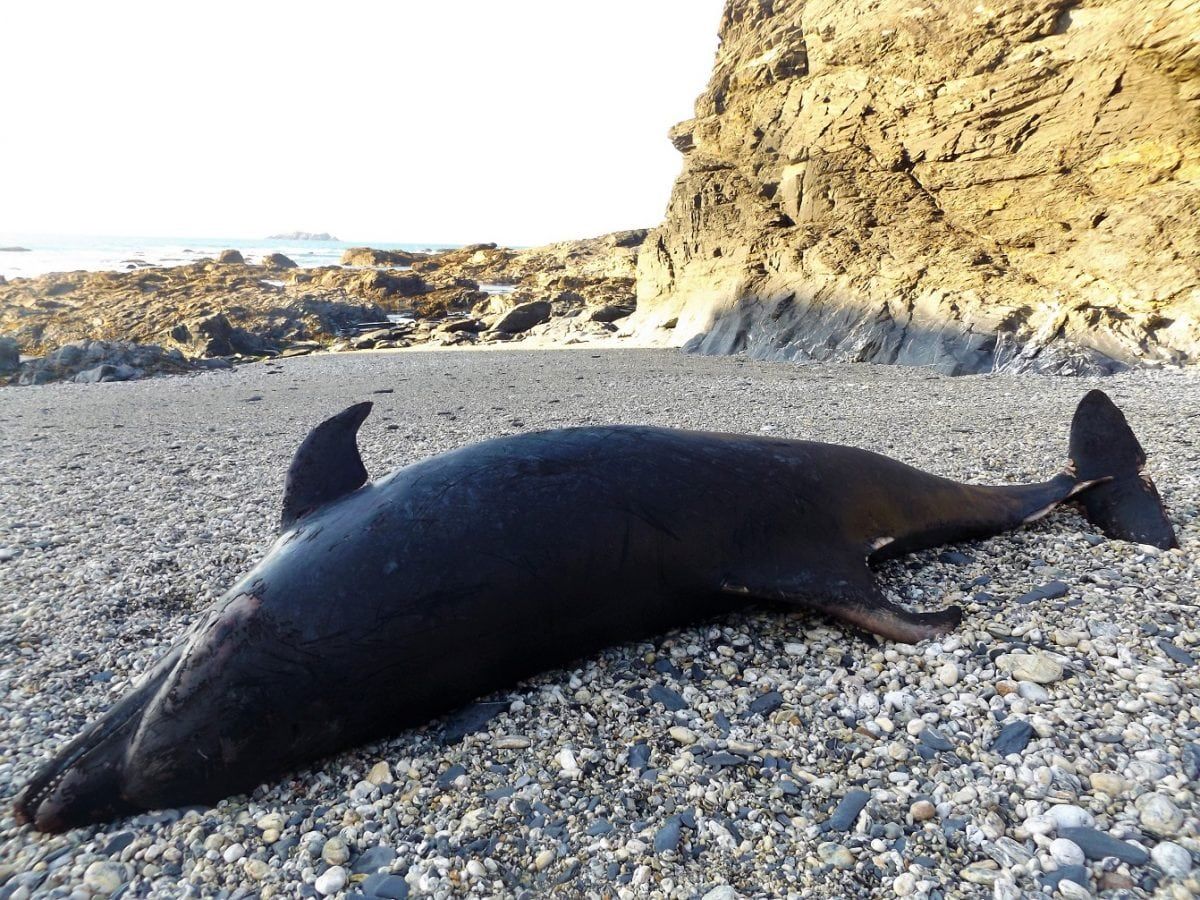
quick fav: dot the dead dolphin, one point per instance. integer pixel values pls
(384, 604)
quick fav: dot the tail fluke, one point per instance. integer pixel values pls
(1125, 504)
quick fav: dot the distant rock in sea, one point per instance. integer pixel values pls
(302, 236)
(15, 250)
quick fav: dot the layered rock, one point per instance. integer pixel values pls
(969, 187)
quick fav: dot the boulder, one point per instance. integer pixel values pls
(368, 256)
(231, 256)
(968, 188)
(523, 317)
(10, 356)
(214, 335)
(278, 261)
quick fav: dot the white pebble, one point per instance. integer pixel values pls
(331, 881)
(948, 674)
(1066, 853)
(1068, 816)
(1172, 858)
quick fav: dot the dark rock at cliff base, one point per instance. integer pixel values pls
(10, 355)
(523, 317)
(231, 256)
(1005, 190)
(278, 261)
(611, 312)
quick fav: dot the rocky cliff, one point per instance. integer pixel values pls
(969, 186)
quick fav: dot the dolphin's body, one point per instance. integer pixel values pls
(383, 604)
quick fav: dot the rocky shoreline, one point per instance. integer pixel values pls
(111, 326)
(1049, 747)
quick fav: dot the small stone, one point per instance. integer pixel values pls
(947, 675)
(544, 859)
(672, 700)
(935, 740)
(983, 872)
(373, 859)
(257, 869)
(1035, 667)
(835, 855)
(682, 735)
(1013, 738)
(391, 887)
(335, 852)
(1159, 815)
(1066, 853)
(904, 884)
(1073, 891)
(1172, 859)
(1116, 881)
(511, 742)
(1177, 653)
(721, 892)
(922, 811)
(567, 762)
(270, 822)
(233, 853)
(1096, 845)
(668, 837)
(1051, 591)
(767, 703)
(105, 876)
(381, 773)
(1066, 815)
(1108, 783)
(331, 881)
(847, 811)
(1033, 692)
(476, 869)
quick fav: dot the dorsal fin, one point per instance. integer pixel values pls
(327, 465)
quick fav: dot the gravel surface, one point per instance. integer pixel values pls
(1049, 745)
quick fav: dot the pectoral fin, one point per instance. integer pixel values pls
(845, 590)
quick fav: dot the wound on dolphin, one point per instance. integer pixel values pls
(563, 542)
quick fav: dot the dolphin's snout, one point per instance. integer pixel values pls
(85, 782)
(73, 792)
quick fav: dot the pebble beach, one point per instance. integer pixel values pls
(1049, 747)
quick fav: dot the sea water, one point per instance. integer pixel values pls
(59, 253)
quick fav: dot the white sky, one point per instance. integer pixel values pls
(518, 121)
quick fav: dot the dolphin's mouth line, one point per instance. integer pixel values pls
(91, 741)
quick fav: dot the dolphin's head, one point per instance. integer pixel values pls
(244, 695)
(85, 782)
(204, 723)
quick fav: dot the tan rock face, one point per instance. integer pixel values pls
(969, 186)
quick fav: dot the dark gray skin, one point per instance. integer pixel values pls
(384, 604)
